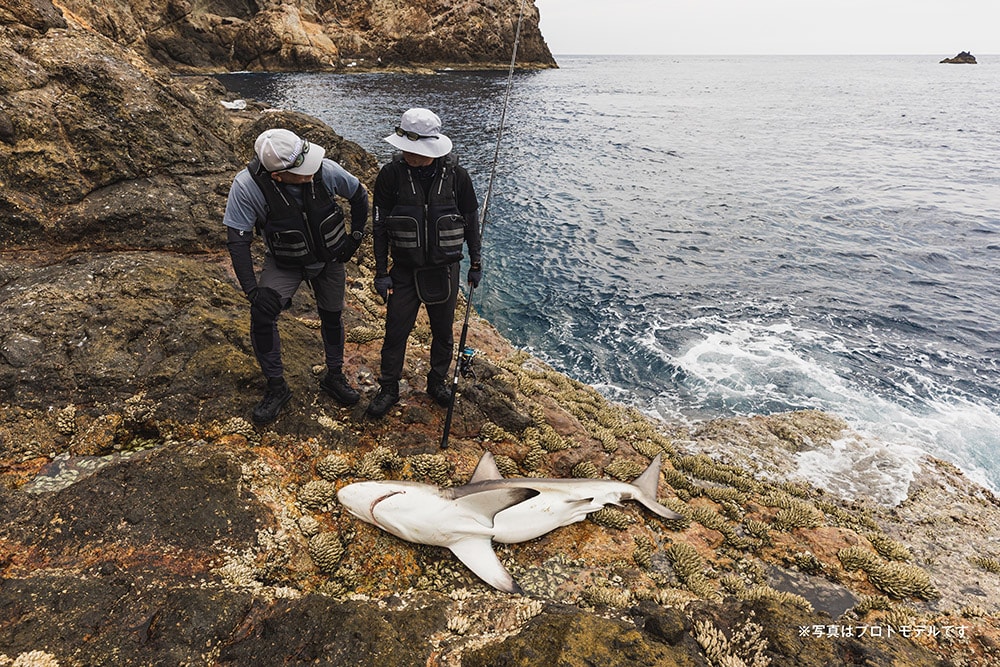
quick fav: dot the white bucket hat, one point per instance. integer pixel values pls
(283, 150)
(419, 131)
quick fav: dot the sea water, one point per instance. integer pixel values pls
(716, 236)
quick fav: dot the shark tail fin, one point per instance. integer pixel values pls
(647, 485)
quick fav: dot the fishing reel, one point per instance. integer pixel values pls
(465, 367)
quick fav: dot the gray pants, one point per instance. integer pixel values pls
(327, 281)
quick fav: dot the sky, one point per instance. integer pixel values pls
(779, 27)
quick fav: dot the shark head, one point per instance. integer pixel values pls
(361, 498)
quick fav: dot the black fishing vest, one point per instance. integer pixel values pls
(425, 230)
(299, 235)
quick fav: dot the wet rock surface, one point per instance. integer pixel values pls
(144, 520)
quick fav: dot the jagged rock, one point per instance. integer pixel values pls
(963, 58)
(304, 35)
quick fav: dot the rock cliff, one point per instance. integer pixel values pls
(145, 521)
(296, 35)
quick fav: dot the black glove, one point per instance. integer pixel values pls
(475, 274)
(383, 285)
(265, 303)
(350, 247)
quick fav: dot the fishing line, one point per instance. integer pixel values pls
(462, 354)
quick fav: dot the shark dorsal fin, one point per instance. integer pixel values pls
(486, 470)
(485, 503)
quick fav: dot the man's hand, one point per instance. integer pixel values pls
(265, 303)
(383, 285)
(475, 274)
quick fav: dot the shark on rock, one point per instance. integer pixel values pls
(489, 508)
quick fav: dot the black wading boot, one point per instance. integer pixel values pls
(276, 395)
(388, 396)
(439, 391)
(337, 386)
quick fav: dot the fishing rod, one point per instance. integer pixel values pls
(464, 357)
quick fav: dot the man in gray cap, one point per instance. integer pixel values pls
(288, 194)
(425, 209)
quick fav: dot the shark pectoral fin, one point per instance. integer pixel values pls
(486, 470)
(477, 554)
(484, 504)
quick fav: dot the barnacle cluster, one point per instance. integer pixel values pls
(988, 563)
(797, 514)
(856, 558)
(623, 469)
(326, 550)
(66, 420)
(889, 548)
(585, 470)
(746, 647)
(689, 567)
(807, 562)
(364, 334)
(607, 595)
(309, 526)
(494, 433)
(901, 580)
(506, 465)
(534, 459)
(30, 659)
(334, 466)
(760, 530)
(459, 624)
(643, 553)
(432, 466)
(317, 494)
(240, 426)
(895, 579)
(611, 518)
(377, 461)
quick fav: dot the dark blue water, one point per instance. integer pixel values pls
(724, 236)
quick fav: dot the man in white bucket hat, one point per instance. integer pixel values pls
(289, 193)
(425, 209)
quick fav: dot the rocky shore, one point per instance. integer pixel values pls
(145, 521)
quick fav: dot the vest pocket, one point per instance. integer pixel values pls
(332, 233)
(290, 248)
(404, 238)
(450, 232)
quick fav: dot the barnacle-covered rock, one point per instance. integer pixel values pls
(689, 567)
(585, 470)
(432, 466)
(760, 530)
(326, 550)
(872, 603)
(624, 470)
(317, 494)
(611, 518)
(459, 624)
(808, 562)
(334, 466)
(647, 447)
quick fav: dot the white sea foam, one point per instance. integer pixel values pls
(753, 369)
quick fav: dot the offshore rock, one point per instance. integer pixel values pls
(963, 58)
(144, 519)
(327, 35)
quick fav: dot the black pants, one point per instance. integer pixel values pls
(401, 315)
